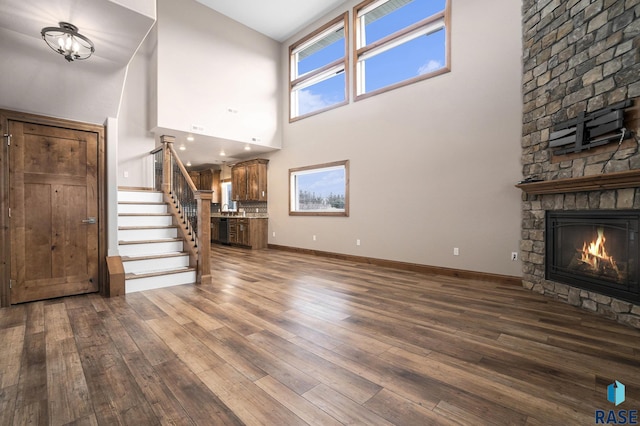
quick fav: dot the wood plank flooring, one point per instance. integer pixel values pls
(289, 339)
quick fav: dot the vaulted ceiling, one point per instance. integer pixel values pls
(36, 80)
(278, 19)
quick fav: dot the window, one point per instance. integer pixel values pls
(399, 42)
(318, 70)
(225, 191)
(321, 190)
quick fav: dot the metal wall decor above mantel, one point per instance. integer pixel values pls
(588, 131)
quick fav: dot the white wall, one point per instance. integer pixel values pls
(135, 141)
(433, 164)
(207, 64)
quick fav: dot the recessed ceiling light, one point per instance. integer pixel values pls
(190, 138)
(188, 163)
(182, 147)
(222, 153)
(247, 148)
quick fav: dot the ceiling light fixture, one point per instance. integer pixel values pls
(190, 138)
(67, 41)
(188, 163)
(247, 147)
(182, 147)
(222, 153)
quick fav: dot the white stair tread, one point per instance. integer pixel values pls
(158, 272)
(134, 228)
(153, 203)
(144, 214)
(161, 240)
(154, 256)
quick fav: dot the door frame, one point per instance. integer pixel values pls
(5, 229)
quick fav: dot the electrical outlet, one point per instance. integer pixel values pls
(126, 174)
(274, 234)
(357, 242)
(514, 255)
(456, 251)
(314, 238)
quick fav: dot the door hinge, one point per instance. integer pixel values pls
(10, 283)
(8, 136)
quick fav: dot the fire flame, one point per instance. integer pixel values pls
(594, 253)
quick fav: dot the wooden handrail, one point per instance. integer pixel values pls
(199, 248)
(183, 170)
(155, 151)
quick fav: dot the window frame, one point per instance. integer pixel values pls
(231, 204)
(319, 168)
(393, 40)
(322, 73)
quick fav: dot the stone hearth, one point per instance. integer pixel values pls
(579, 56)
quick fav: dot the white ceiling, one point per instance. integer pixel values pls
(277, 19)
(37, 80)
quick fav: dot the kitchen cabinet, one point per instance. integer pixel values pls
(249, 180)
(207, 180)
(215, 229)
(243, 231)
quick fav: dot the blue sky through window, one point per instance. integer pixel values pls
(414, 11)
(406, 61)
(419, 56)
(322, 57)
(321, 95)
(323, 183)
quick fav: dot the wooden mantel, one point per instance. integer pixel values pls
(617, 180)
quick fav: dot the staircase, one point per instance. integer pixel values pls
(152, 254)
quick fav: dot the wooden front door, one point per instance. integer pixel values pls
(53, 196)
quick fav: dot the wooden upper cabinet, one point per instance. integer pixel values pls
(239, 183)
(249, 180)
(207, 180)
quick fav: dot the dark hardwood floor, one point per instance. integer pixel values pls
(287, 339)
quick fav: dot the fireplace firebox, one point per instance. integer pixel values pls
(595, 250)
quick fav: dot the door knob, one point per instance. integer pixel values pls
(89, 220)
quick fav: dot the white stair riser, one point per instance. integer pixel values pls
(146, 234)
(140, 196)
(149, 283)
(150, 248)
(142, 208)
(148, 265)
(144, 220)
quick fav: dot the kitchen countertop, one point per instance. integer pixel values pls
(248, 216)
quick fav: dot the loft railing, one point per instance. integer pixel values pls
(190, 207)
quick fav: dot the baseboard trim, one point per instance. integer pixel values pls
(406, 266)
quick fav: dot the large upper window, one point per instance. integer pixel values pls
(318, 70)
(399, 42)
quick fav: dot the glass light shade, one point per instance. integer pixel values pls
(67, 41)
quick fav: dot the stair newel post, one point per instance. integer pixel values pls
(167, 143)
(204, 198)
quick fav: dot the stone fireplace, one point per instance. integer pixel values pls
(580, 56)
(594, 250)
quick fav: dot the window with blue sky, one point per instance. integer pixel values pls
(397, 42)
(319, 70)
(320, 190)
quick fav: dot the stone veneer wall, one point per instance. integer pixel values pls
(578, 55)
